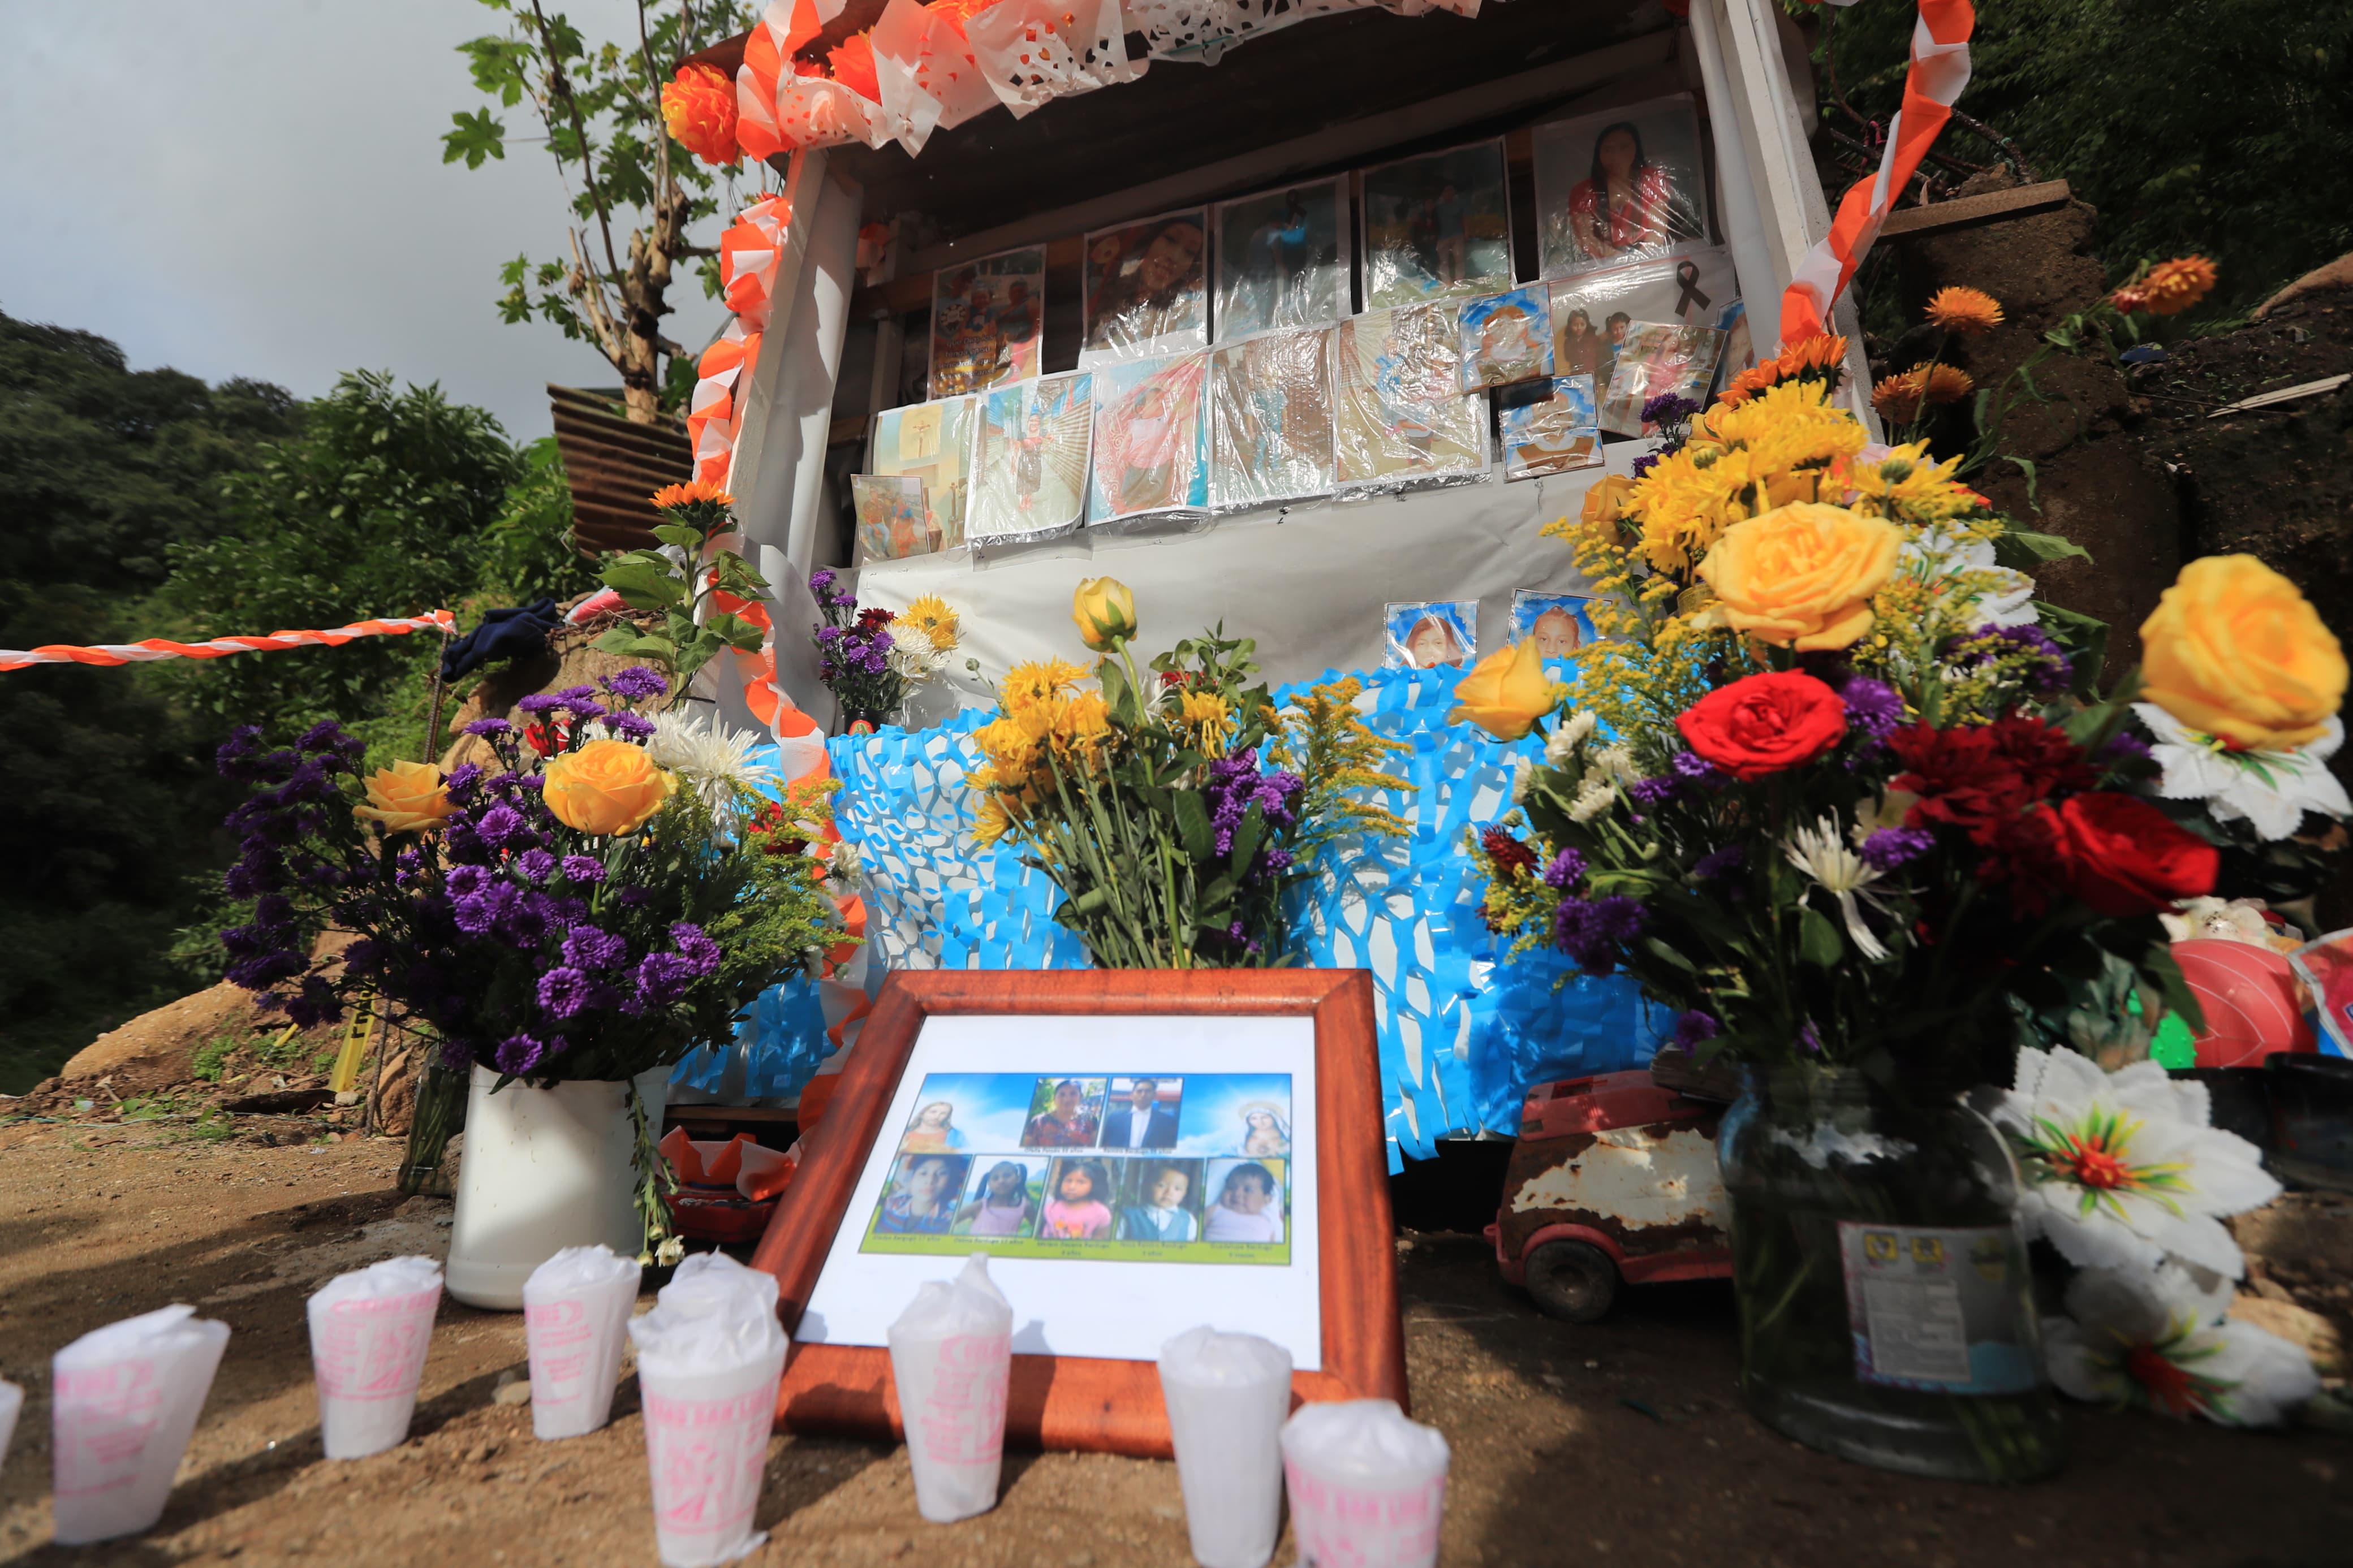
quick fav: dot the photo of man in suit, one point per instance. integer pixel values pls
(1142, 1121)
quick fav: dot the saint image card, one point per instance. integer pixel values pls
(1152, 448)
(1402, 416)
(1549, 427)
(1561, 624)
(1591, 312)
(1271, 419)
(1506, 338)
(987, 321)
(1426, 636)
(1619, 185)
(890, 524)
(930, 442)
(1283, 259)
(1146, 287)
(1658, 358)
(1437, 226)
(1030, 458)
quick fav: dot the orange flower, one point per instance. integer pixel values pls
(699, 107)
(1817, 358)
(672, 497)
(1898, 398)
(852, 63)
(1968, 311)
(2173, 287)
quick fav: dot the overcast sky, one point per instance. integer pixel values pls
(255, 187)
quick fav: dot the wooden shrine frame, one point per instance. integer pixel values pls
(1088, 1403)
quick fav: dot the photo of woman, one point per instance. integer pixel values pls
(932, 1132)
(1071, 1118)
(1249, 1201)
(1162, 1203)
(1623, 184)
(1146, 287)
(922, 1200)
(1423, 637)
(1265, 1133)
(1005, 1202)
(1576, 348)
(1078, 1210)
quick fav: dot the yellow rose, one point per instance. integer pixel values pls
(605, 786)
(1105, 612)
(1803, 574)
(1606, 501)
(2235, 650)
(1506, 692)
(406, 797)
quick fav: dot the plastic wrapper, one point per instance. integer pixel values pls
(1506, 338)
(1434, 634)
(369, 1332)
(1227, 1396)
(123, 1400)
(1151, 451)
(1437, 226)
(1657, 359)
(1030, 459)
(575, 1315)
(1591, 313)
(1283, 259)
(890, 521)
(1619, 185)
(710, 1356)
(988, 322)
(1146, 289)
(2326, 967)
(1271, 420)
(1549, 427)
(930, 443)
(12, 1405)
(1402, 419)
(1368, 1486)
(1561, 623)
(951, 1357)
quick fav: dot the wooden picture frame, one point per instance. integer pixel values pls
(1088, 1403)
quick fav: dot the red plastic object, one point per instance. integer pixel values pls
(719, 1213)
(2253, 1003)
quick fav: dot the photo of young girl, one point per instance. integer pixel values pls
(1030, 459)
(1079, 1207)
(1147, 290)
(1249, 1206)
(1656, 359)
(1151, 446)
(1436, 228)
(1283, 259)
(1162, 1201)
(1425, 636)
(1505, 339)
(1007, 1195)
(1561, 624)
(1622, 185)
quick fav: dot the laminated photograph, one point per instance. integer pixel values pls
(1506, 338)
(1561, 624)
(1427, 636)
(1151, 450)
(1591, 312)
(1403, 419)
(1658, 359)
(1147, 290)
(1549, 427)
(1030, 459)
(1619, 185)
(1283, 259)
(890, 510)
(988, 322)
(931, 443)
(1271, 419)
(1437, 226)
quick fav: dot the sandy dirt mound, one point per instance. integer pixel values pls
(157, 1050)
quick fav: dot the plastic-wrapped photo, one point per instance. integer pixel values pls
(1591, 312)
(1426, 636)
(1619, 186)
(1030, 458)
(1549, 427)
(987, 321)
(930, 442)
(1271, 420)
(1402, 416)
(1282, 259)
(889, 516)
(1656, 359)
(1561, 624)
(1506, 338)
(1151, 445)
(1146, 287)
(1436, 228)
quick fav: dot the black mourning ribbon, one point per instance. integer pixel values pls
(1690, 298)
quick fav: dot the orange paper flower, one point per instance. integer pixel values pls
(1817, 358)
(852, 63)
(1968, 311)
(671, 497)
(699, 107)
(2171, 287)
(1898, 398)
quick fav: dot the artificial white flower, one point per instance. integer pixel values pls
(1934, 554)
(1615, 765)
(1524, 773)
(2226, 920)
(1592, 799)
(843, 863)
(2156, 1339)
(1562, 743)
(2271, 790)
(1842, 873)
(2122, 1168)
(915, 663)
(714, 759)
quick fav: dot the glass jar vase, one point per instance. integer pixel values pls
(1886, 1310)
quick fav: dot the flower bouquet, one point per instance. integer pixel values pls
(1175, 811)
(871, 658)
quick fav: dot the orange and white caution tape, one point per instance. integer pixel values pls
(160, 648)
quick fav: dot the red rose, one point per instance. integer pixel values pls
(2123, 857)
(1765, 723)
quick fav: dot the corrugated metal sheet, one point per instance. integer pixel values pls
(613, 467)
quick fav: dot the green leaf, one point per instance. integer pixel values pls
(2157, 965)
(1246, 838)
(2084, 638)
(1662, 950)
(1193, 825)
(679, 534)
(477, 137)
(2022, 550)
(1818, 942)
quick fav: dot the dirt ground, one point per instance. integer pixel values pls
(1622, 1442)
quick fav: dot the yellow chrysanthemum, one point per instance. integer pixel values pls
(991, 822)
(1968, 311)
(931, 616)
(1205, 720)
(1041, 682)
(1907, 485)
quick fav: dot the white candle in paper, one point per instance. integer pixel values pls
(1227, 1397)
(1368, 1486)
(575, 1314)
(951, 1357)
(123, 1402)
(710, 1356)
(369, 1332)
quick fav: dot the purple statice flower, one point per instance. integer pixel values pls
(663, 978)
(488, 729)
(583, 868)
(1873, 708)
(1694, 767)
(1653, 792)
(1891, 846)
(630, 725)
(1595, 931)
(503, 825)
(633, 897)
(637, 683)
(518, 1054)
(1644, 464)
(1235, 785)
(2123, 747)
(586, 947)
(1567, 867)
(1809, 1038)
(1694, 1027)
(1666, 408)
(1718, 862)
(535, 865)
(696, 948)
(564, 991)
(2026, 653)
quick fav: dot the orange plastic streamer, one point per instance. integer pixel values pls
(154, 648)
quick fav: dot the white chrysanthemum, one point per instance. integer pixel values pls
(1933, 554)
(2156, 1338)
(1592, 799)
(1562, 743)
(1842, 873)
(914, 663)
(1524, 773)
(1615, 765)
(2122, 1168)
(843, 863)
(716, 761)
(2271, 790)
